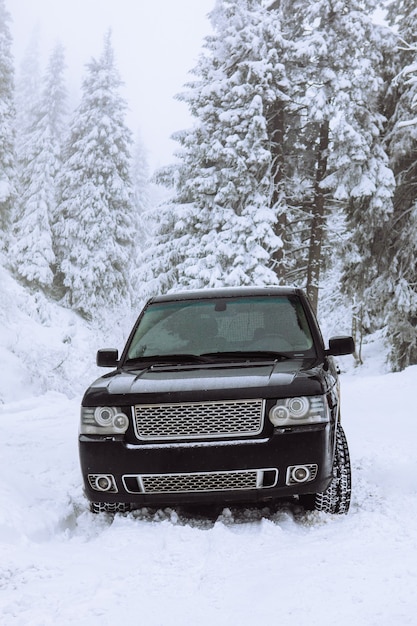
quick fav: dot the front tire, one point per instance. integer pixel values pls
(336, 498)
(105, 507)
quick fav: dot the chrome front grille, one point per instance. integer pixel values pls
(201, 481)
(198, 420)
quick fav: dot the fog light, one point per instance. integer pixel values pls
(297, 474)
(300, 474)
(102, 482)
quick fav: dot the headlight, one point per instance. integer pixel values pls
(103, 420)
(299, 411)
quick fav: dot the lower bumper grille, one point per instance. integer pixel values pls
(201, 481)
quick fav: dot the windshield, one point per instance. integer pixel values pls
(225, 325)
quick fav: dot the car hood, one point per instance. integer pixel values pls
(212, 382)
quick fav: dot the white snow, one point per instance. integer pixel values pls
(4, 189)
(61, 565)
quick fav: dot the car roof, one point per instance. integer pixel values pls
(227, 292)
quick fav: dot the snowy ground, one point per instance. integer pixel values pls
(60, 564)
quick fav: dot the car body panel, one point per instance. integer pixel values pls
(269, 453)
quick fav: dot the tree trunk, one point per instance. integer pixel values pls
(318, 220)
(276, 133)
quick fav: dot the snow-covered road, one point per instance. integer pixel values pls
(60, 564)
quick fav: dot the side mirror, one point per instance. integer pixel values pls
(107, 357)
(340, 345)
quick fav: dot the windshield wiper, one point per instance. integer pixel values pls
(248, 355)
(168, 358)
(209, 359)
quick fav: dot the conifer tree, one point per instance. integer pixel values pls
(40, 161)
(94, 230)
(335, 154)
(7, 117)
(28, 93)
(140, 184)
(221, 226)
(398, 272)
(143, 222)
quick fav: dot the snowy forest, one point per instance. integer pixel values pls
(299, 168)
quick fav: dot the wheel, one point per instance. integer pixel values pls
(105, 507)
(336, 498)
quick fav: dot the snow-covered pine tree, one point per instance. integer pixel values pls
(336, 157)
(142, 200)
(28, 92)
(398, 280)
(221, 226)
(96, 217)
(7, 117)
(31, 254)
(140, 184)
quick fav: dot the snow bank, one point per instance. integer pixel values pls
(44, 346)
(62, 565)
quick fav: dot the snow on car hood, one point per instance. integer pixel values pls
(232, 380)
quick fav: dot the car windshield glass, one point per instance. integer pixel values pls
(226, 325)
(223, 326)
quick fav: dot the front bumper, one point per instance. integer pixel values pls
(215, 472)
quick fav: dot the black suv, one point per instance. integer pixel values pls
(220, 396)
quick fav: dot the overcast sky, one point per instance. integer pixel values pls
(156, 43)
